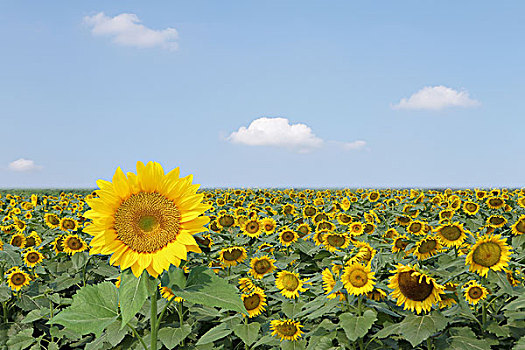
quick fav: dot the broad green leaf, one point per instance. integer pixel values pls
(79, 260)
(293, 345)
(291, 308)
(248, 333)
(464, 338)
(496, 329)
(21, 340)
(34, 315)
(133, 293)
(98, 302)
(205, 287)
(172, 337)
(388, 330)
(415, 329)
(114, 334)
(320, 342)
(357, 326)
(214, 334)
(267, 340)
(5, 293)
(518, 303)
(520, 345)
(12, 257)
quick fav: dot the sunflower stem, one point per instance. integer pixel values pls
(159, 320)
(4, 306)
(136, 334)
(429, 344)
(153, 322)
(359, 305)
(484, 315)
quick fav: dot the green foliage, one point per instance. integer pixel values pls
(357, 326)
(133, 293)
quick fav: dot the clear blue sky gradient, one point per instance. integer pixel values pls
(80, 105)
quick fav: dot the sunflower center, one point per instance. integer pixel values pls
(262, 266)
(268, 227)
(336, 240)
(226, 220)
(53, 220)
(147, 222)
(374, 196)
(232, 255)
(32, 257)
(17, 241)
(252, 227)
(412, 288)
(18, 279)
(74, 243)
(325, 226)
(69, 224)
(496, 220)
(252, 302)
(520, 226)
(30, 242)
(471, 207)
(475, 292)
(495, 202)
(427, 246)
(303, 230)
(451, 233)
(358, 278)
(288, 209)
(415, 227)
(288, 236)
(401, 243)
(290, 282)
(345, 218)
(287, 329)
(369, 228)
(487, 254)
(309, 211)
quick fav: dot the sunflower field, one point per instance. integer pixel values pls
(148, 261)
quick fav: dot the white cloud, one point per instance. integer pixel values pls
(276, 132)
(435, 98)
(354, 146)
(126, 29)
(23, 165)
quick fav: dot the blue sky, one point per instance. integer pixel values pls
(80, 96)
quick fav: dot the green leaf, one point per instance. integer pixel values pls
(496, 329)
(248, 333)
(12, 257)
(214, 334)
(133, 293)
(415, 329)
(520, 345)
(5, 293)
(114, 334)
(79, 260)
(172, 337)
(267, 340)
(291, 308)
(357, 326)
(21, 340)
(205, 287)
(388, 330)
(320, 342)
(464, 338)
(93, 309)
(293, 345)
(34, 315)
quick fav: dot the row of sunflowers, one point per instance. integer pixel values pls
(261, 268)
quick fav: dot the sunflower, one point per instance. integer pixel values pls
(518, 228)
(358, 279)
(68, 224)
(369, 228)
(399, 244)
(303, 230)
(336, 241)
(377, 294)
(490, 252)
(451, 234)
(286, 329)
(287, 236)
(18, 240)
(391, 233)
(57, 244)
(252, 227)
(147, 221)
(320, 217)
(344, 219)
(266, 248)
(427, 247)
(226, 220)
(413, 289)
(356, 228)
(16, 279)
(329, 284)
(496, 221)
(232, 256)
(288, 209)
(261, 266)
(309, 211)
(268, 225)
(246, 285)
(73, 244)
(474, 292)
(403, 220)
(205, 240)
(470, 208)
(447, 300)
(365, 253)
(521, 201)
(254, 302)
(416, 227)
(168, 294)
(494, 202)
(325, 225)
(290, 284)
(33, 240)
(32, 257)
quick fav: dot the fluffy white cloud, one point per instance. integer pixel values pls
(354, 146)
(276, 132)
(435, 98)
(126, 29)
(23, 165)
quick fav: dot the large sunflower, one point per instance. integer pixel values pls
(427, 247)
(518, 228)
(16, 279)
(252, 227)
(358, 279)
(146, 221)
(232, 256)
(261, 266)
(336, 241)
(254, 302)
(18, 240)
(451, 234)
(33, 240)
(413, 289)
(32, 257)
(286, 329)
(490, 252)
(470, 208)
(290, 284)
(496, 221)
(287, 236)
